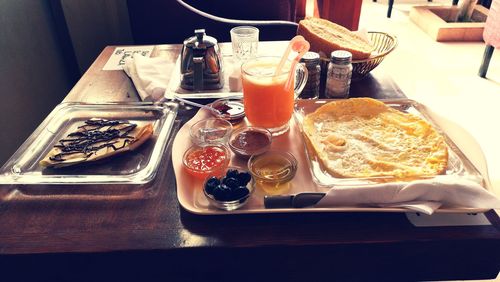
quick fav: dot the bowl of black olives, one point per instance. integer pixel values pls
(231, 191)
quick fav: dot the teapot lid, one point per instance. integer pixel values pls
(200, 40)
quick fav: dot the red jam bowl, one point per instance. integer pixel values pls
(248, 141)
(231, 110)
(202, 161)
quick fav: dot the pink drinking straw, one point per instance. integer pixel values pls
(299, 45)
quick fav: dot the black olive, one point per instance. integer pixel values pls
(225, 194)
(218, 193)
(240, 192)
(232, 173)
(212, 182)
(244, 178)
(231, 182)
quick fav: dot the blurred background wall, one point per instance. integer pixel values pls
(33, 74)
(46, 45)
(94, 24)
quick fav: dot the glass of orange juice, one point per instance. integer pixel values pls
(267, 98)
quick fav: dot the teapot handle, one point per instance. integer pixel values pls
(198, 73)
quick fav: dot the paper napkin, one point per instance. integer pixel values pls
(149, 76)
(423, 196)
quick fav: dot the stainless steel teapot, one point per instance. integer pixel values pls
(201, 63)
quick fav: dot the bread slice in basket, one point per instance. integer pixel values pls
(326, 37)
(363, 137)
(97, 139)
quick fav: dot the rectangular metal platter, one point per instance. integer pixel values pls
(458, 163)
(136, 167)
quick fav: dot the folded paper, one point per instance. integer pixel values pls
(422, 196)
(149, 76)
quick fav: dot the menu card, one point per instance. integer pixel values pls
(117, 59)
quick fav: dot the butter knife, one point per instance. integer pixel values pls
(300, 200)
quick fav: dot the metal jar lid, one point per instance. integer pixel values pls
(310, 59)
(341, 57)
(200, 40)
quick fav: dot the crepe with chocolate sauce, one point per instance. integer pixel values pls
(95, 140)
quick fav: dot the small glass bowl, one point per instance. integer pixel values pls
(234, 204)
(273, 171)
(210, 131)
(231, 110)
(248, 141)
(199, 150)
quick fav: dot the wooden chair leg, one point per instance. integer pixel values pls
(488, 52)
(389, 10)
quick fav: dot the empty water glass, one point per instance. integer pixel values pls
(245, 40)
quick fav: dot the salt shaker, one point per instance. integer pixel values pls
(339, 75)
(312, 62)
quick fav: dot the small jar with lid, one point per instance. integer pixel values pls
(312, 63)
(338, 79)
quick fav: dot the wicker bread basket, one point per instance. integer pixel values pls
(383, 42)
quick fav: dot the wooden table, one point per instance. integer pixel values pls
(155, 238)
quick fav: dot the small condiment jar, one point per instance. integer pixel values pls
(251, 140)
(273, 171)
(338, 80)
(311, 61)
(206, 160)
(231, 110)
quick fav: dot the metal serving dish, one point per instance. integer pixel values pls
(134, 167)
(458, 164)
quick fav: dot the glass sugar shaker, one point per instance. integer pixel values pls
(312, 62)
(338, 79)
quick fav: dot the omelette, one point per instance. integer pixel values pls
(363, 137)
(97, 139)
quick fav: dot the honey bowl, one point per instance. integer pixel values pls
(273, 171)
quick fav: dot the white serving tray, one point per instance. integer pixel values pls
(191, 197)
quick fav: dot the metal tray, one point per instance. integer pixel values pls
(458, 164)
(174, 88)
(135, 167)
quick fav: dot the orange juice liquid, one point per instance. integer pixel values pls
(267, 103)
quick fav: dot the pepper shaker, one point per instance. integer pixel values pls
(312, 63)
(339, 75)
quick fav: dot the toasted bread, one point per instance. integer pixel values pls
(326, 37)
(363, 137)
(95, 140)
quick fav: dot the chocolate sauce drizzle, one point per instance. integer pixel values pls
(94, 131)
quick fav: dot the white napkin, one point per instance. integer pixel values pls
(149, 76)
(423, 196)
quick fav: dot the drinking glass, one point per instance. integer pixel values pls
(268, 102)
(245, 40)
